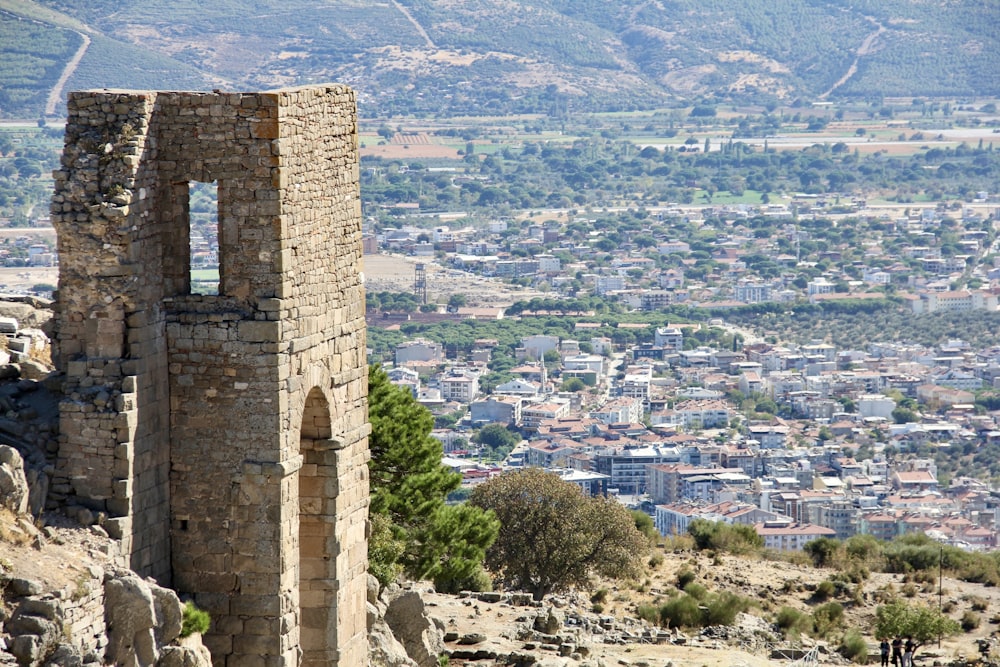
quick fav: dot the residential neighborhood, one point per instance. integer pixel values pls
(800, 440)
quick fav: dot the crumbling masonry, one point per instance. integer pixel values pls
(225, 436)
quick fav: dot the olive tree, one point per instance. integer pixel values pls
(920, 623)
(553, 537)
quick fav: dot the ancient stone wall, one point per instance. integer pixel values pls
(225, 435)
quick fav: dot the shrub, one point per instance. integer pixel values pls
(792, 622)
(685, 577)
(909, 590)
(649, 613)
(978, 603)
(678, 543)
(863, 548)
(194, 620)
(477, 580)
(827, 617)
(715, 535)
(822, 550)
(597, 608)
(970, 621)
(824, 590)
(384, 550)
(722, 609)
(599, 596)
(791, 586)
(696, 590)
(681, 612)
(655, 561)
(854, 647)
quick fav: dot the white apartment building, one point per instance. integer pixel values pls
(669, 337)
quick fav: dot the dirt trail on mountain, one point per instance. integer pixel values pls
(416, 26)
(863, 50)
(56, 93)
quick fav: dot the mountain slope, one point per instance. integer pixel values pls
(508, 56)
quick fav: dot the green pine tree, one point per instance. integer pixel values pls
(409, 486)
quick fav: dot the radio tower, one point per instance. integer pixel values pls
(420, 283)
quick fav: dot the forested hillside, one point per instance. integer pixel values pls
(493, 56)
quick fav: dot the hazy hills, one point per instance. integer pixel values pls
(493, 56)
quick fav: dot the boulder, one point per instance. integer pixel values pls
(548, 623)
(24, 587)
(34, 636)
(130, 610)
(383, 648)
(38, 490)
(407, 617)
(33, 370)
(169, 614)
(373, 588)
(187, 652)
(65, 655)
(14, 490)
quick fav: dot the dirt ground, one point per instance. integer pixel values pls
(407, 151)
(395, 273)
(21, 279)
(62, 555)
(760, 580)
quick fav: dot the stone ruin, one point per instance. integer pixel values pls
(224, 435)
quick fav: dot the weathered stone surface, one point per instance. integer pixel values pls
(13, 484)
(385, 650)
(131, 617)
(548, 622)
(38, 490)
(410, 624)
(65, 655)
(24, 587)
(189, 653)
(222, 434)
(33, 370)
(169, 613)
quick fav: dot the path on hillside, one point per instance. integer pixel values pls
(863, 50)
(416, 26)
(56, 93)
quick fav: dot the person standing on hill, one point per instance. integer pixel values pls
(897, 652)
(908, 652)
(883, 650)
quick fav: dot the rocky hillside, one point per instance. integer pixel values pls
(573, 630)
(490, 57)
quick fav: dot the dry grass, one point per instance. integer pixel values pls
(15, 530)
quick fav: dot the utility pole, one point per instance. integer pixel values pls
(940, 586)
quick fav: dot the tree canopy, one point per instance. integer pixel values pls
(918, 622)
(497, 436)
(552, 536)
(734, 538)
(423, 536)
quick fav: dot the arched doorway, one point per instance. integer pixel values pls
(317, 542)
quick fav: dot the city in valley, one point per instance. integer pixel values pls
(813, 363)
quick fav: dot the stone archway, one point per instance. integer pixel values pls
(317, 534)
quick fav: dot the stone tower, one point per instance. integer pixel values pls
(225, 436)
